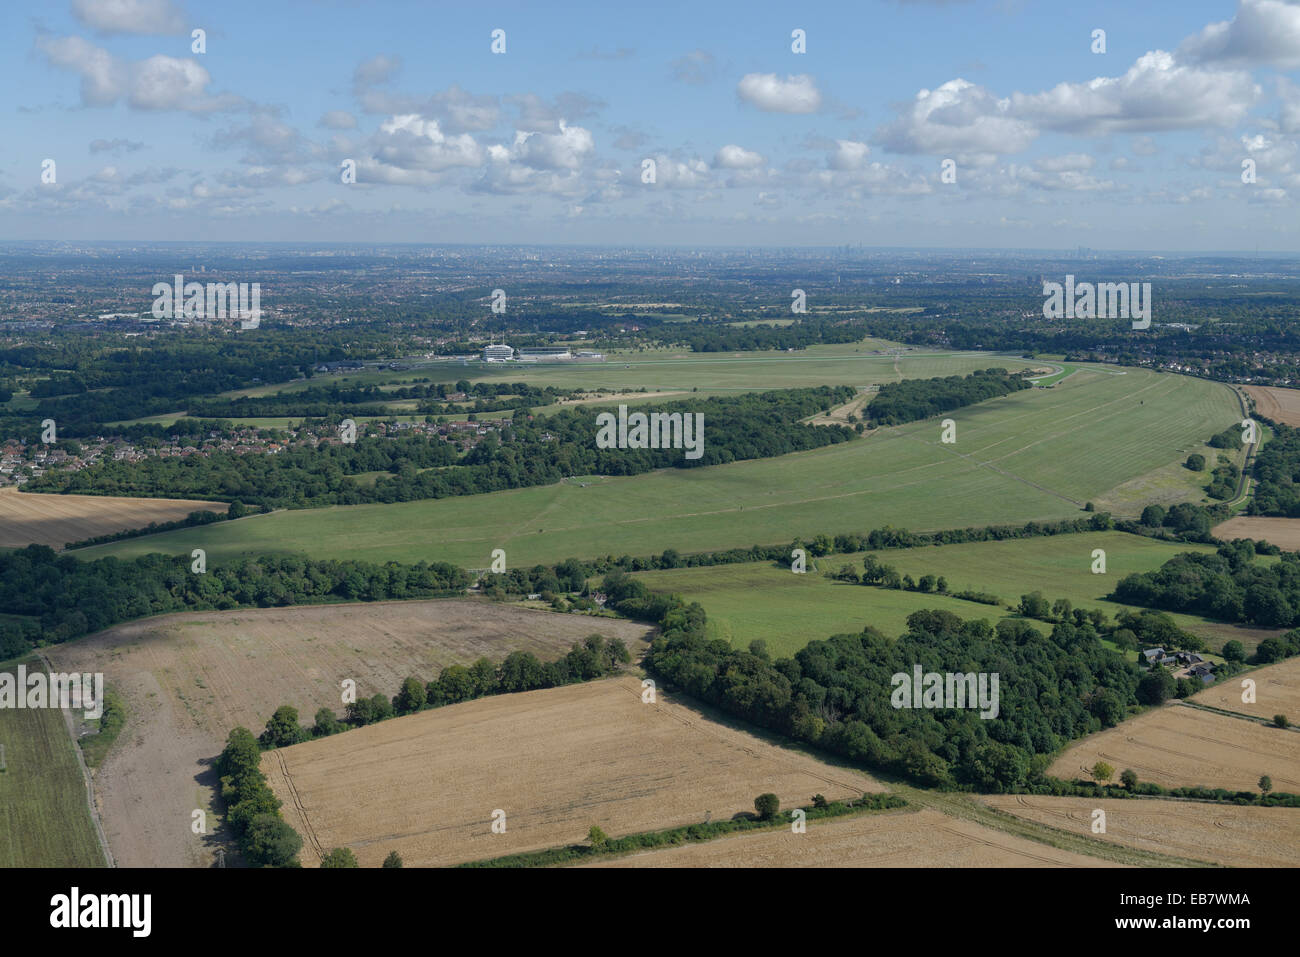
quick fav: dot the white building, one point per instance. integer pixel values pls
(498, 353)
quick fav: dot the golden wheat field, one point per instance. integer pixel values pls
(1178, 746)
(923, 838)
(27, 518)
(189, 678)
(1277, 691)
(555, 762)
(1214, 833)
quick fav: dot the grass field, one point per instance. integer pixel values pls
(44, 819)
(27, 518)
(764, 600)
(556, 762)
(1037, 454)
(187, 679)
(1177, 746)
(1220, 834)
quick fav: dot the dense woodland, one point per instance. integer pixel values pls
(1277, 475)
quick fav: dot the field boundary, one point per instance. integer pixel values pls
(86, 781)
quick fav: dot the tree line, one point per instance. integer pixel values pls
(915, 399)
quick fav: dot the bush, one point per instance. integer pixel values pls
(1195, 462)
(1280, 721)
(339, 857)
(393, 859)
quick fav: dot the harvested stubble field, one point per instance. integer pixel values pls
(189, 678)
(1282, 532)
(55, 520)
(1280, 405)
(897, 839)
(1178, 746)
(1214, 833)
(1277, 691)
(556, 761)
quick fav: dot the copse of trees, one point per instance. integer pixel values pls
(913, 399)
(1228, 585)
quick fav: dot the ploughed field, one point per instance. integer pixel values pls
(556, 761)
(1038, 454)
(189, 678)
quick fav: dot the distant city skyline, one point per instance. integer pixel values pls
(992, 125)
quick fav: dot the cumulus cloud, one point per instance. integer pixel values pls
(771, 93)
(1262, 32)
(960, 117)
(156, 83)
(737, 157)
(413, 150)
(848, 155)
(140, 17)
(1156, 93)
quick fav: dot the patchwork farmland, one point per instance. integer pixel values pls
(189, 678)
(1038, 454)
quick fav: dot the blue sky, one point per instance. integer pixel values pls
(1052, 145)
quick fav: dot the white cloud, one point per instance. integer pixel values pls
(959, 117)
(1156, 93)
(413, 150)
(848, 155)
(1264, 32)
(767, 91)
(732, 156)
(141, 17)
(156, 83)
